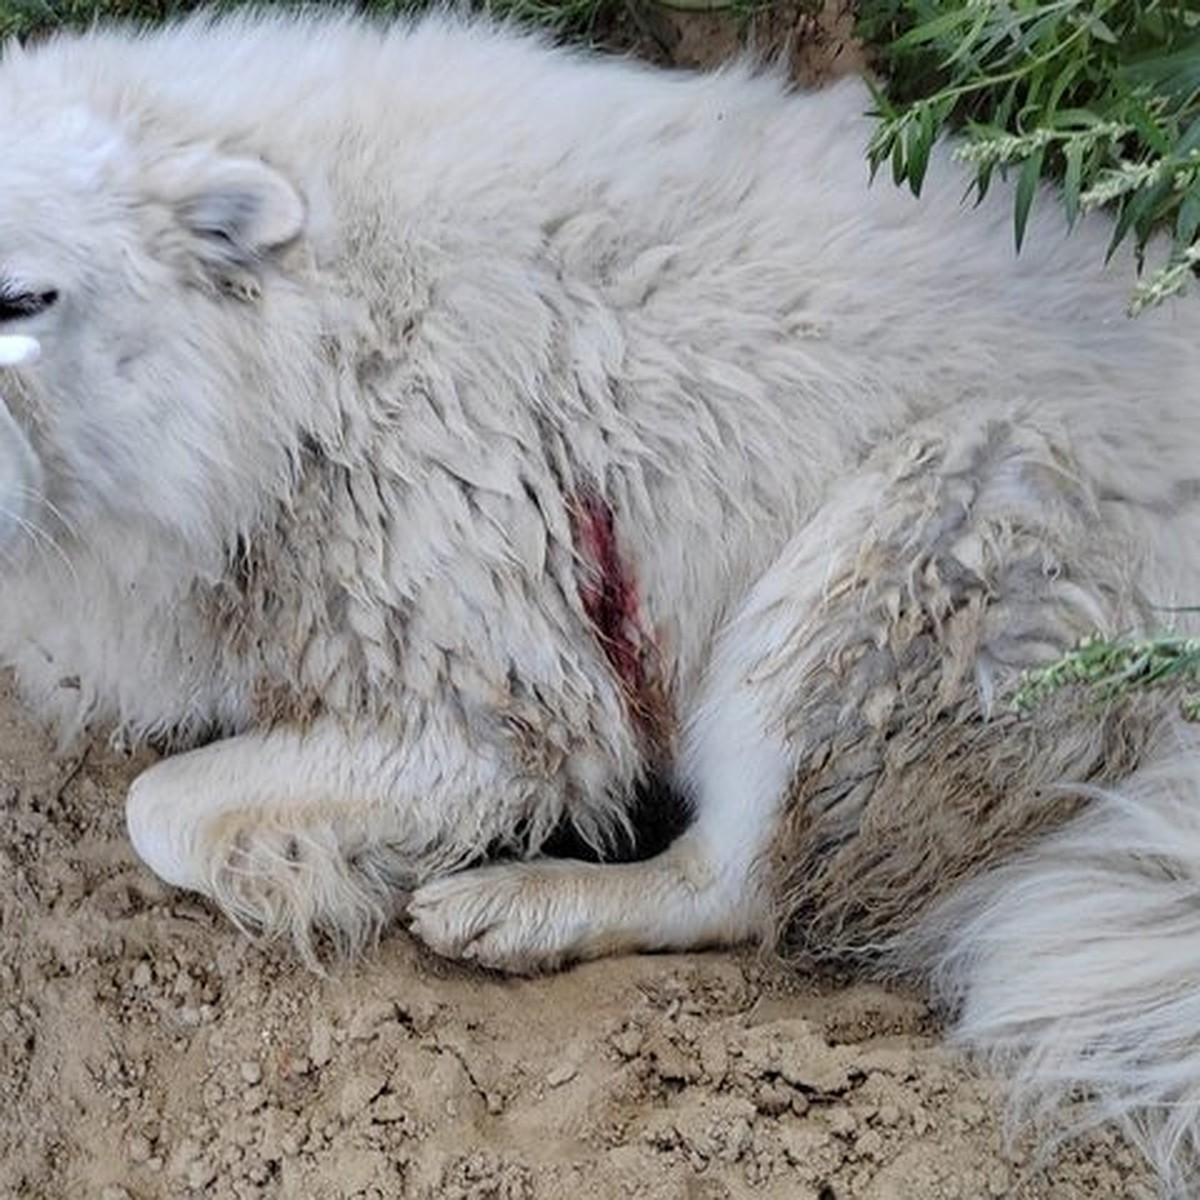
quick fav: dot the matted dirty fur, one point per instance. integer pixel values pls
(437, 435)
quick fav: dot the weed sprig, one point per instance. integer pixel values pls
(1109, 669)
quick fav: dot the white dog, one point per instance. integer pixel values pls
(452, 433)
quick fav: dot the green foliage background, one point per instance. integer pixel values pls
(1101, 95)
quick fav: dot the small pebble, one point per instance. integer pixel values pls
(320, 1043)
(387, 1109)
(627, 1042)
(842, 1122)
(869, 1144)
(999, 1182)
(561, 1074)
(201, 1173)
(889, 1115)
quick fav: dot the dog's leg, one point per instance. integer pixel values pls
(702, 890)
(708, 887)
(294, 831)
(925, 583)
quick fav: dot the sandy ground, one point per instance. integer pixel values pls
(148, 1050)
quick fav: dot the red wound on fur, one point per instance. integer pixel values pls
(609, 593)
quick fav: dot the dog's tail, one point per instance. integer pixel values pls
(1076, 970)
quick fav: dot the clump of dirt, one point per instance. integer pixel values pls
(814, 42)
(148, 1050)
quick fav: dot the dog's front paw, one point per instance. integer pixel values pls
(520, 917)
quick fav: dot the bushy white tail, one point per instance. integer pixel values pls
(1076, 969)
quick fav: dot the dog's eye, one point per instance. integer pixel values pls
(16, 305)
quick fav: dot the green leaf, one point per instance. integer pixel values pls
(944, 27)
(1031, 173)
(1187, 224)
(1099, 30)
(1189, 140)
(1121, 228)
(983, 181)
(898, 161)
(924, 131)
(967, 41)
(1147, 127)
(1073, 154)
(1175, 74)
(1134, 214)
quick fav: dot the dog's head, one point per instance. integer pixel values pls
(157, 275)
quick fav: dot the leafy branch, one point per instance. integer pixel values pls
(1101, 96)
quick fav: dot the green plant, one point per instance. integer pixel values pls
(1109, 668)
(1101, 95)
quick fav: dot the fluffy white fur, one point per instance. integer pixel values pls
(444, 433)
(20, 473)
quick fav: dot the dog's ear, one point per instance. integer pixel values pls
(235, 211)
